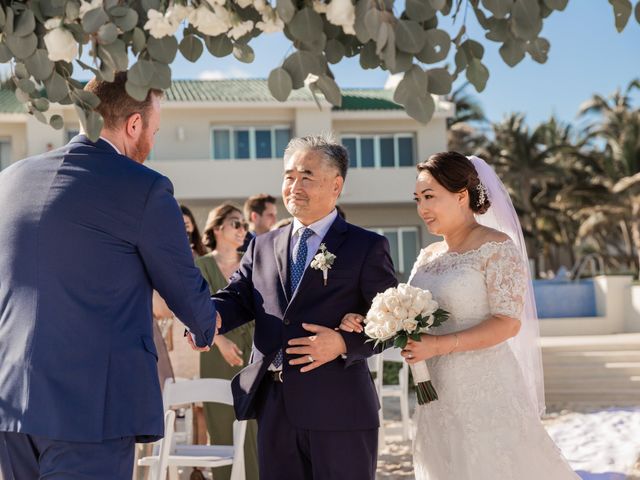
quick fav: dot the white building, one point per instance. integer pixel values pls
(223, 140)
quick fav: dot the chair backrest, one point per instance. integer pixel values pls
(199, 390)
(165, 444)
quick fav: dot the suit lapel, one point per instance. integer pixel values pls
(281, 246)
(332, 240)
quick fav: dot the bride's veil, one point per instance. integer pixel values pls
(502, 216)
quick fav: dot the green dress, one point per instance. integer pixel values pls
(219, 417)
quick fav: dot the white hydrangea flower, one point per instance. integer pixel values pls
(210, 23)
(261, 6)
(88, 6)
(244, 3)
(61, 45)
(160, 25)
(178, 13)
(342, 13)
(271, 22)
(240, 29)
(53, 22)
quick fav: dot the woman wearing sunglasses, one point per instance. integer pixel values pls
(224, 233)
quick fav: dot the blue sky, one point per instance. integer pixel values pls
(587, 55)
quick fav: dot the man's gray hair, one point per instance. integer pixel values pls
(326, 143)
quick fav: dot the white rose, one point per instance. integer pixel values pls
(413, 312)
(271, 26)
(61, 45)
(400, 313)
(53, 22)
(210, 23)
(409, 325)
(419, 304)
(431, 307)
(159, 25)
(178, 13)
(391, 302)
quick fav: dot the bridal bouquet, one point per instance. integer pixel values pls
(401, 313)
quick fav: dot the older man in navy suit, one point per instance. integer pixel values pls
(309, 385)
(87, 232)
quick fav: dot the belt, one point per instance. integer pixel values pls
(276, 375)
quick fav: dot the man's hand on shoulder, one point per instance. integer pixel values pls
(323, 346)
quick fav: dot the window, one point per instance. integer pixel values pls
(249, 143)
(5, 153)
(380, 150)
(404, 246)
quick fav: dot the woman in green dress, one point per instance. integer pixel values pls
(223, 234)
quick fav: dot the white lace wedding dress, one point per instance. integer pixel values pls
(482, 427)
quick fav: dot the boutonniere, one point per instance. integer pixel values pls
(323, 261)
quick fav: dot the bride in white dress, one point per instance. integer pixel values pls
(484, 362)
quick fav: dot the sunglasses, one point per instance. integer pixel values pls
(237, 224)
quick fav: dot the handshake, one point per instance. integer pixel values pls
(192, 342)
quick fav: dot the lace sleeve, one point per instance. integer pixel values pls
(506, 277)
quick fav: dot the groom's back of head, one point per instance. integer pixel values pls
(116, 105)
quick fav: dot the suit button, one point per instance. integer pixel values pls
(286, 321)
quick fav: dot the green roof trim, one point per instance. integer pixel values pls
(243, 90)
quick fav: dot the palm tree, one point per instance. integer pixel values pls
(615, 136)
(465, 128)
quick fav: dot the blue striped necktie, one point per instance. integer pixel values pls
(297, 267)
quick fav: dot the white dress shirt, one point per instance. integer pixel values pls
(320, 229)
(114, 147)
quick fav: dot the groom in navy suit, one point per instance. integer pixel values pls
(309, 385)
(86, 233)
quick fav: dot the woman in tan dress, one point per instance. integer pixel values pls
(223, 234)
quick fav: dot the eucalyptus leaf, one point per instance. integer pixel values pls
(115, 54)
(139, 40)
(137, 92)
(84, 98)
(94, 19)
(57, 122)
(106, 72)
(20, 70)
(286, 10)
(360, 26)
(21, 95)
(39, 65)
(8, 23)
(317, 45)
(280, 84)
(57, 88)
(40, 104)
(389, 54)
(437, 4)
(539, 49)
(419, 10)
(472, 49)
(498, 30)
(128, 21)
(94, 125)
(372, 21)
(421, 108)
(38, 115)
(300, 64)
(71, 11)
(334, 51)
(161, 79)
(219, 46)
(26, 85)
(383, 37)
(107, 33)
(621, 12)
(436, 47)
(440, 81)
(150, 4)
(5, 53)
(191, 47)
(163, 49)
(141, 73)
(526, 19)
(499, 8)
(404, 61)
(3, 17)
(22, 47)
(330, 89)
(244, 53)
(95, 71)
(24, 24)
(477, 74)
(638, 12)
(306, 25)
(410, 36)
(414, 83)
(556, 4)
(512, 51)
(368, 57)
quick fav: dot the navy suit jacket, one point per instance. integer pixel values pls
(339, 395)
(85, 235)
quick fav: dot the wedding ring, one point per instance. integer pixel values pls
(409, 355)
(313, 338)
(310, 358)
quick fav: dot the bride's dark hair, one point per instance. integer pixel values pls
(456, 173)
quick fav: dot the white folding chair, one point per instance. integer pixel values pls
(170, 456)
(400, 390)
